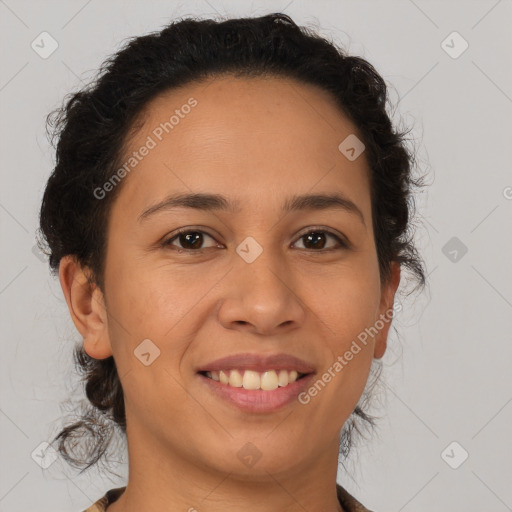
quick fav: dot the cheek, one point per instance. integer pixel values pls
(347, 302)
(154, 304)
(138, 310)
(347, 305)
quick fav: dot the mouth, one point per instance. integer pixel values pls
(242, 390)
(256, 382)
(267, 380)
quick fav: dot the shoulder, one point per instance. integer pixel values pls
(105, 501)
(348, 502)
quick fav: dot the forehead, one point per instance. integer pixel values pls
(247, 136)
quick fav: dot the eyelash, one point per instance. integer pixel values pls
(168, 242)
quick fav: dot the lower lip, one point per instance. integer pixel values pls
(256, 400)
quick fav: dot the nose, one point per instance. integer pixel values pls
(261, 297)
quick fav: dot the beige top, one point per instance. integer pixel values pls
(348, 502)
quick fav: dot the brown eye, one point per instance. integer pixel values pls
(317, 240)
(191, 240)
(314, 241)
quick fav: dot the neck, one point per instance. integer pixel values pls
(161, 479)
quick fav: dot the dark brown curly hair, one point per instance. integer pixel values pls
(93, 125)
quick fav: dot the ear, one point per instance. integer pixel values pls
(87, 307)
(386, 309)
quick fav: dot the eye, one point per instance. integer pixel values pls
(316, 240)
(191, 240)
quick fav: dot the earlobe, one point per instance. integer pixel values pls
(86, 306)
(386, 310)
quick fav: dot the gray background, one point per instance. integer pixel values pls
(448, 375)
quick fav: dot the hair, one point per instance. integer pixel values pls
(93, 125)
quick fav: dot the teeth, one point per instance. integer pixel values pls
(269, 381)
(235, 379)
(249, 379)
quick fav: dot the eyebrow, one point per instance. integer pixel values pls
(217, 202)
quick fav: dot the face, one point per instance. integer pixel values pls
(247, 277)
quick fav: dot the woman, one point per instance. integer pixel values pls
(229, 215)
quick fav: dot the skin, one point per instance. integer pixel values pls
(259, 141)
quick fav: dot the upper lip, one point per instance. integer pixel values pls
(258, 363)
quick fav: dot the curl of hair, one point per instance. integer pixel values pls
(93, 127)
